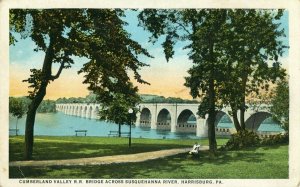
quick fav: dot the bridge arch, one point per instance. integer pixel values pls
(186, 121)
(256, 119)
(224, 129)
(164, 119)
(145, 117)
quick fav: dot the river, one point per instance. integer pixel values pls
(59, 124)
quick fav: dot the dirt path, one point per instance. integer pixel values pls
(139, 157)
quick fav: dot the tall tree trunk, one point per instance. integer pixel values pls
(243, 98)
(119, 132)
(17, 126)
(212, 118)
(212, 99)
(36, 101)
(242, 116)
(236, 121)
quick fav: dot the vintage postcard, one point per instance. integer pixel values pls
(150, 93)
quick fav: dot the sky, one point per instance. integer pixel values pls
(166, 78)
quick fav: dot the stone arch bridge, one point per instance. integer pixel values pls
(172, 116)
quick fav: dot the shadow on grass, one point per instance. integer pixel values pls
(149, 169)
(49, 151)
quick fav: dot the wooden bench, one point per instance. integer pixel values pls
(113, 133)
(80, 131)
(116, 133)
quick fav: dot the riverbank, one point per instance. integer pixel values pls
(263, 162)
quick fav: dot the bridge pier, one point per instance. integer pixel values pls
(138, 119)
(173, 125)
(153, 123)
(202, 129)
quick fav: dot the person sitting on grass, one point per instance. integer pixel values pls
(195, 149)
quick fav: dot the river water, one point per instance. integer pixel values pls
(59, 124)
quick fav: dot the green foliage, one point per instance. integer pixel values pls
(275, 139)
(253, 40)
(204, 29)
(45, 106)
(280, 104)
(230, 49)
(17, 107)
(116, 108)
(242, 139)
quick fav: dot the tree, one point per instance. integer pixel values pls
(204, 29)
(116, 109)
(280, 104)
(17, 109)
(230, 50)
(96, 34)
(253, 39)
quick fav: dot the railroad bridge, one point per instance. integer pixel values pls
(172, 116)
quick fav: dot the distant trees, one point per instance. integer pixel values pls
(90, 98)
(46, 106)
(17, 108)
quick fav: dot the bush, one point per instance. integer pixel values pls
(242, 139)
(275, 139)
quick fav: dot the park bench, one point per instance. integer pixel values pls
(116, 133)
(80, 132)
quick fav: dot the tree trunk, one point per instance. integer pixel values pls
(36, 101)
(212, 118)
(29, 129)
(242, 117)
(243, 97)
(211, 95)
(119, 132)
(17, 127)
(236, 121)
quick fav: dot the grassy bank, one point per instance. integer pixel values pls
(67, 147)
(263, 163)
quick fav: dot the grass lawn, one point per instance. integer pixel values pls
(263, 163)
(67, 147)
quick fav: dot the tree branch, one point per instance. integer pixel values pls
(183, 27)
(62, 65)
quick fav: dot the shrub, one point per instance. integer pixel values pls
(242, 139)
(275, 139)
